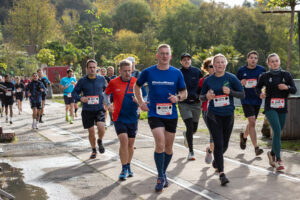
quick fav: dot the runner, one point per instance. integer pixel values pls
(208, 68)
(35, 91)
(124, 114)
(220, 88)
(46, 83)
(91, 86)
(67, 84)
(20, 93)
(26, 82)
(248, 75)
(111, 75)
(1, 96)
(8, 98)
(164, 81)
(279, 84)
(190, 108)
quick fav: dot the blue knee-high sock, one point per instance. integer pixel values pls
(168, 158)
(159, 161)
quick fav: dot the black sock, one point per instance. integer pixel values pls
(76, 110)
(94, 150)
(221, 175)
(189, 132)
(272, 153)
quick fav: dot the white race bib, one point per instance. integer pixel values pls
(164, 108)
(251, 83)
(8, 93)
(19, 90)
(221, 100)
(92, 100)
(277, 102)
(69, 94)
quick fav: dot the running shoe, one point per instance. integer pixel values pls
(243, 141)
(166, 181)
(279, 166)
(93, 155)
(33, 125)
(258, 151)
(100, 145)
(185, 140)
(160, 184)
(223, 179)
(10, 122)
(271, 159)
(130, 173)
(123, 175)
(191, 156)
(208, 156)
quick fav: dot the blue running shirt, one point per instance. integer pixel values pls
(251, 75)
(216, 84)
(67, 81)
(161, 83)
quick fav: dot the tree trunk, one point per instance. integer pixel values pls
(288, 67)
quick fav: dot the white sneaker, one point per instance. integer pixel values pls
(191, 156)
(33, 125)
(36, 126)
(185, 140)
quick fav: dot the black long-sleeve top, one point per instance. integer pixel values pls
(273, 93)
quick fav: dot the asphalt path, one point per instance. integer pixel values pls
(56, 158)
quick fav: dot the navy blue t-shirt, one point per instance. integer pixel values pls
(216, 84)
(251, 76)
(161, 83)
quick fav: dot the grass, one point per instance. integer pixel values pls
(60, 99)
(293, 145)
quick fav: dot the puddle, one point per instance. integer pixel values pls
(11, 181)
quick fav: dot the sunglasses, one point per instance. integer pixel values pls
(210, 66)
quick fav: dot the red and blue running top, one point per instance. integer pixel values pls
(125, 109)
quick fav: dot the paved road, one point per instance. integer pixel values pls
(55, 157)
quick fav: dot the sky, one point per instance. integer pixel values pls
(232, 2)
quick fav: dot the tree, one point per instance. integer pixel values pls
(31, 23)
(283, 4)
(232, 55)
(46, 56)
(132, 15)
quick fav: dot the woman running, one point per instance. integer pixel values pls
(219, 89)
(20, 91)
(279, 84)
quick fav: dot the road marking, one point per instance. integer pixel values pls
(268, 172)
(178, 181)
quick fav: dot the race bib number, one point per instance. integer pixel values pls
(251, 83)
(277, 102)
(221, 100)
(92, 100)
(8, 93)
(19, 90)
(69, 95)
(164, 108)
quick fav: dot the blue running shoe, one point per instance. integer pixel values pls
(130, 173)
(160, 184)
(123, 175)
(166, 181)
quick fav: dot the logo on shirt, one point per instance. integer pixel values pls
(245, 74)
(117, 90)
(162, 83)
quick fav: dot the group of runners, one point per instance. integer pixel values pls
(168, 86)
(16, 89)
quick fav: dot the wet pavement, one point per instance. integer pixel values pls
(56, 158)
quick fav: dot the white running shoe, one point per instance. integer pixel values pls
(191, 156)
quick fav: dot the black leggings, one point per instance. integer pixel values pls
(220, 128)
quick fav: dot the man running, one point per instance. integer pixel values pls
(190, 108)
(124, 114)
(91, 86)
(111, 75)
(164, 81)
(35, 90)
(67, 84)
(8, 98)
(46, 83)
(248, 75)
(20, 92)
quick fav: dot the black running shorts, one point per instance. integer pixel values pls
(90, 118)
(130, 129)
(169, 124)
(251, 110)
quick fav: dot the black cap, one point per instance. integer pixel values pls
(185, 55)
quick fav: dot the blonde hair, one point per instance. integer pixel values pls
(219, 55)
(163, 46)
(272, 55)
(125, 62)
